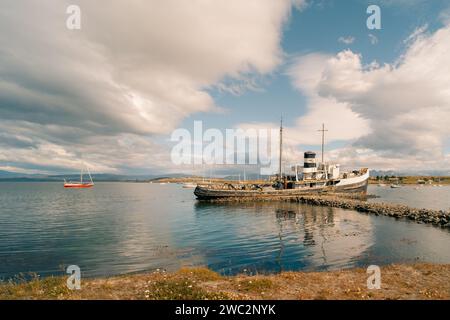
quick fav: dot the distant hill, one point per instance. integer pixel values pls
(7, 174)
(250, 176)
(23, 177)
(374, 173)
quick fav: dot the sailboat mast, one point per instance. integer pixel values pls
(90, 177)
(281, 147)
(323, 138)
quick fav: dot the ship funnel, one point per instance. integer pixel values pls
(309, 166)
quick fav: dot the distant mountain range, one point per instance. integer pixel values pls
(374, 173)
(7, 174)
(14, 176)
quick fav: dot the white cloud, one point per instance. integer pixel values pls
(419, 31)
(444, 16)
(301, 4)
(342, 123)
(407, 104)
(306, 74)
(354, 157)
(132, 70)
(373, 39)
(407, 4)
(393, 116)
(346, 40)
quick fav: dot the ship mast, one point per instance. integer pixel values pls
(281, 146)
(323, 138)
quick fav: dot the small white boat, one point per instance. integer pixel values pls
(189, 185)
(395, 186)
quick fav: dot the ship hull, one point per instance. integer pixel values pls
(350, 185)
(78, 185)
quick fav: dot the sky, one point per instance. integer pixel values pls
(110, 94)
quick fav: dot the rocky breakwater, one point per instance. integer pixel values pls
(436, 217)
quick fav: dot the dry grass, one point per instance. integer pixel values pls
(420, 281)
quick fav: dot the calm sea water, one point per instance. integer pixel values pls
(118, 228)
(429, 197)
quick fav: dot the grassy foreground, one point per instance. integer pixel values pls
(419, 281)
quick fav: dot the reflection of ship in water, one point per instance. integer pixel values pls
(308, 238)
(306, 223)
(285, 214)
(280, 236)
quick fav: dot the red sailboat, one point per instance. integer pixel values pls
(80, 184)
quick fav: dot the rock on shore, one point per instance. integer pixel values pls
(358, 202)
(436, 217)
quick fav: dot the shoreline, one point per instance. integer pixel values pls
(357, 202)
(438, 218)
(399, 281)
